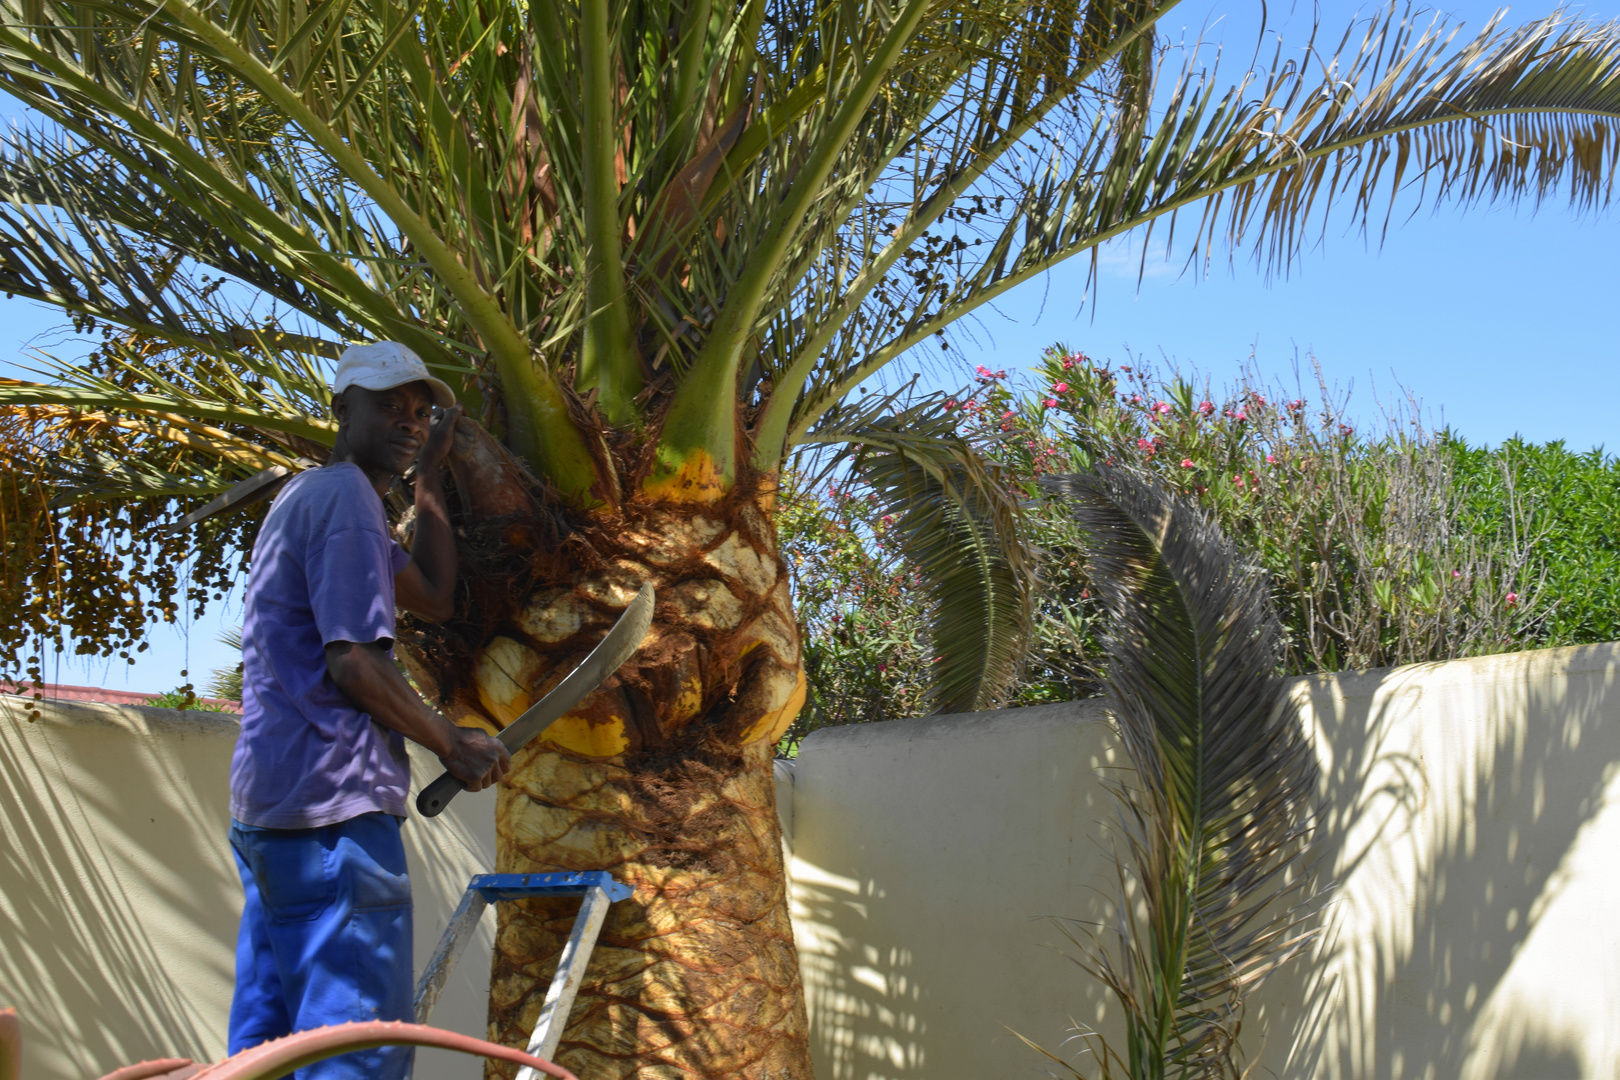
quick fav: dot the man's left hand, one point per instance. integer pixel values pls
(438, 440)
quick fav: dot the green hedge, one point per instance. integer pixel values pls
(1574, 508)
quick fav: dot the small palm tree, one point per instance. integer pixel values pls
(657, 245)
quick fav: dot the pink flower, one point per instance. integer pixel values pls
(1258, 400)
(1136, 399)
(1240, 415)
(951, 404)
(1206, 408)
(1068, 362)
(1050, 403)
(1271, 459)
(982, 371)
(1162, 408)
(1296, 405)
(1060, 388)
(1143, 444)
(1186, 463)
(1456, 573)
(1007, 415)
(882, 667)
(1512, 599)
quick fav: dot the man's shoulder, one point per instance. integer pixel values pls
(341, 480)
(327, 499)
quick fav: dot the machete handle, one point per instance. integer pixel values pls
(437, 795)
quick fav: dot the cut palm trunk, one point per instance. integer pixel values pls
(662, 777)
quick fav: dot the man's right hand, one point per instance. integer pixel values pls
(476, 759)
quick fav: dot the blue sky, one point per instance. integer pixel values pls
(1501, 322)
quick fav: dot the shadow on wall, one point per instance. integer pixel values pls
(1473, 816)
(118, 915)
(928, 856)
(1472, 823)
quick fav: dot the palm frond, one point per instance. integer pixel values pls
(98, 396)
(1222, 802)
(226, 682)
(959, 526)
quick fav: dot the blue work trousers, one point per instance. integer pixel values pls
(325, 938)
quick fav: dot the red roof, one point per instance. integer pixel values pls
(59, 692)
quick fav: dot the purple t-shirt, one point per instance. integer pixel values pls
(323, 571)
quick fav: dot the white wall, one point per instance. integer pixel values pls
(1473, 823)
(119, 899)
(929, 858)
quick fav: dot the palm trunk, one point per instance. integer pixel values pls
(662, 777)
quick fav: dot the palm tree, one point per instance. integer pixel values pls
(657, 244)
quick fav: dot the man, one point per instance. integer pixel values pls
(320, 775)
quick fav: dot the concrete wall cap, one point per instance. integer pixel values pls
(135, 719)
(956, 725)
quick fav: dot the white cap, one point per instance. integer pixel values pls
(383, 365)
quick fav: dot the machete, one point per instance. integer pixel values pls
(621, 642)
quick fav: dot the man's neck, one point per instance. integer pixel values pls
(380, 479)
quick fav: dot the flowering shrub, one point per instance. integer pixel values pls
(1363, 538)
(1379, 548)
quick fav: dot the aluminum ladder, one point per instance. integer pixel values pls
(598, 890)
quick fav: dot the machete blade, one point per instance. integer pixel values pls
(620, 644)
(613, 650)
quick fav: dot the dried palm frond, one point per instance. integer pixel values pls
(1216, 818)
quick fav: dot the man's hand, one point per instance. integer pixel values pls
(477, 760)
(427, 586)
(367, 676)
(438, 440)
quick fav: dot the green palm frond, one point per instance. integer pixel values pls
(959, 526)
(226, 682)
(1222, 801)
(65, 240)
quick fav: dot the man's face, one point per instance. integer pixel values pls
(385, 429)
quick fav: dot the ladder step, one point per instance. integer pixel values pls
(598, 890)
(526, 886)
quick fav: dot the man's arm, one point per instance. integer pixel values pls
(367, 676)
(427, 586)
